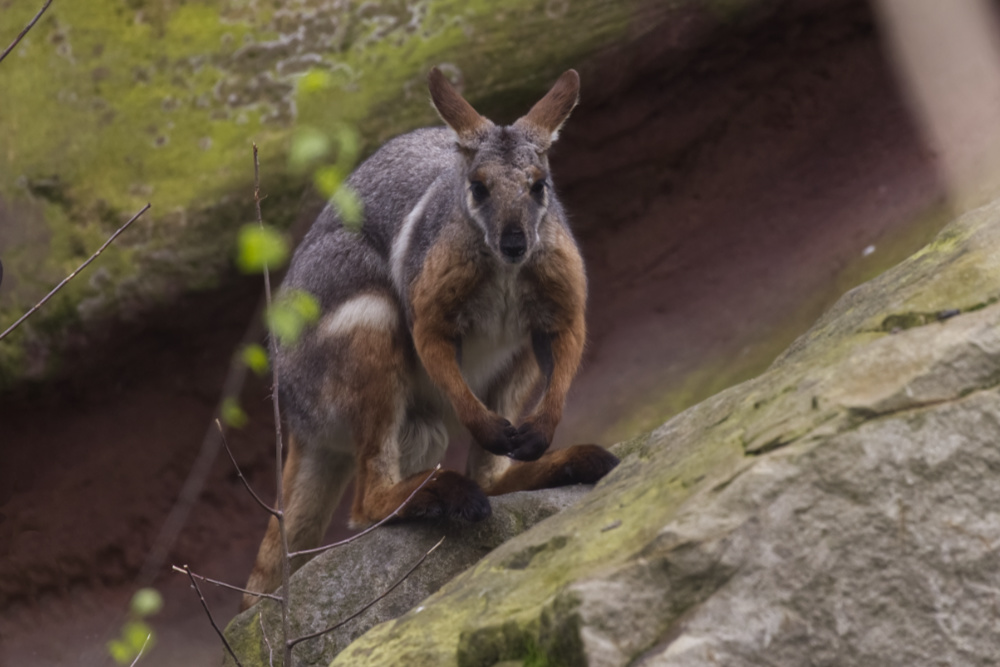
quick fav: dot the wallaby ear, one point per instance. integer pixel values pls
(549, 113)
(455, 111)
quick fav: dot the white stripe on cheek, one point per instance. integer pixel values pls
(367, 311)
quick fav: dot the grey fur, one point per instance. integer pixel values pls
(335, 264)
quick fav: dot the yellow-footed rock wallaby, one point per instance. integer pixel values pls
(461, 298)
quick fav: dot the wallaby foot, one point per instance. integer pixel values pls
(580, 464)
(448, 496)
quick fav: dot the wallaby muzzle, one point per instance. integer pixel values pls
(513, 243)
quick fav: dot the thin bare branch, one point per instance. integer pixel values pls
(141, 649)
(286, 562)
(369, 529)
(24, 32)
(239, 473)
(211, 619)
(73, 275)
(367, 606)
(216, 582)
(270, 651)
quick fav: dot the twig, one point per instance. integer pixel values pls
(239, 472)
(270, 651)
(73, 275)
(216, 582)
(364, 532)
(141, 649)
(365, 608)
(211, 619)
(24, 32)
(286, 562)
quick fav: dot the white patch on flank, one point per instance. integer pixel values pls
(368, 311)
(401, 244)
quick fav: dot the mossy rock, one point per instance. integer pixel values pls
(822, 512)
(108, 105)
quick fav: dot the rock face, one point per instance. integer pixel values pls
(111, 105)
(339, 582)
(838, 509)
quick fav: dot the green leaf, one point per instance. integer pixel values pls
(314, 81)
(290, 314)
(121, 652)
(146, 602)
(328, 179)
(259, 247)
(233, 414)
(135, 633)
(305, 304)
(309, 146)
(350, 207)
(284, 323)
(348, 146)
(255, 357)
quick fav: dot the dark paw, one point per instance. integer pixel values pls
(528, 443)
(495, 436)
(585, 464)
(450, 495)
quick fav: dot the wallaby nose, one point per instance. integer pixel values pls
(513, 243)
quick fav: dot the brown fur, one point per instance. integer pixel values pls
(579, 464)
(309, 502)
(454, 110)
(449, 275)
(550, 112)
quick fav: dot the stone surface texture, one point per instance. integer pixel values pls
(110, 105)
(344, 580)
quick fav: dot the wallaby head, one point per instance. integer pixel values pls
(507, 188)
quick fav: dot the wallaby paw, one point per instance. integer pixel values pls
(525, 443)
(496, 436)
(583, 464)
(449, 495)
(528, 443)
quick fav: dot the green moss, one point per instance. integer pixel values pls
(525, 557)
(902, 321)
(248, 643)
(108, 105)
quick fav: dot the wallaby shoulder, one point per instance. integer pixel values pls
(332, 261)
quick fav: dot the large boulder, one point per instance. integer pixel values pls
(838, 509)
(108, 105)
(342, 581)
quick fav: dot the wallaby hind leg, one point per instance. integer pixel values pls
(314, 479)
(376, 388)
(381, 488)
(579, 464)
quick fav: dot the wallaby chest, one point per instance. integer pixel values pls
(493, 326)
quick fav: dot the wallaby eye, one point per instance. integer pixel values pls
(538, 187)
(479, 191)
